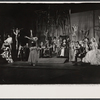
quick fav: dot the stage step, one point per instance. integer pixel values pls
(52, 60)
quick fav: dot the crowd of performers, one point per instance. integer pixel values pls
(87, 49)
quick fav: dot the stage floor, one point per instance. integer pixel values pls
(25, 64)
(23, 73)
(61, 63)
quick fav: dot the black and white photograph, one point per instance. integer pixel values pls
(50, 43)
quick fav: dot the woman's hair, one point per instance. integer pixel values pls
(33, 44)
(9, 35)
(77, 42)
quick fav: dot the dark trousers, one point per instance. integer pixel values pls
(41, 53)
(81, 56)
(14, 53)
(76, 56)
(51, 50)
(26, 54)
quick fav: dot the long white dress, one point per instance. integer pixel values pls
(62, 52)
(8, 40)
(7, 49)
(72, 52)
(93, 56)
(63, 49)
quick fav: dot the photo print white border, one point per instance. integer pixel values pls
(57, 91)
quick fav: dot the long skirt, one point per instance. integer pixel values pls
(33, 56)
(92, 57)
(71, 55)
(62, 52)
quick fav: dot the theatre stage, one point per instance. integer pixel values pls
(21, 72)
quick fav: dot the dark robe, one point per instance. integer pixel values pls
(14, 51)
(81, 52)
(41, 51)
(26, 53)
(67, 50)
(99, 45)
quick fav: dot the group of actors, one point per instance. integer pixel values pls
(12, 49)
(87, 50)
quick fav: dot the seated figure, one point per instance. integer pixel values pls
(46, 49)
(80, 51)
(92, 57)
(41, 47)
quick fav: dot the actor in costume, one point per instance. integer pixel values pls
(15, 45)
(33, 55)
(32, 39)
(47, 49)
(93, 56)
(58, 45)
(80, 51)
(54, 44)
(73, 42)
(20, 52)
(63, 48)
(6, 47)
(42, 47)
(71, 51)
(26, 52)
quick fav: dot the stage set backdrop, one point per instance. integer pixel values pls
(87, 23)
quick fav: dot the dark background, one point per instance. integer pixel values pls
(25, 15)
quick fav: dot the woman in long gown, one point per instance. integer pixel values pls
(72, 51)
(58, 44)
(42, 47)
(73, 43)
(6, 47)
(64, 51)
(33, 55)
(86, 44)
(93, 56)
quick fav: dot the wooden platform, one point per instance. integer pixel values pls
(52, 60)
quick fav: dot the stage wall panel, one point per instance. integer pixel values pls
(84, 21)
(97, 24)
